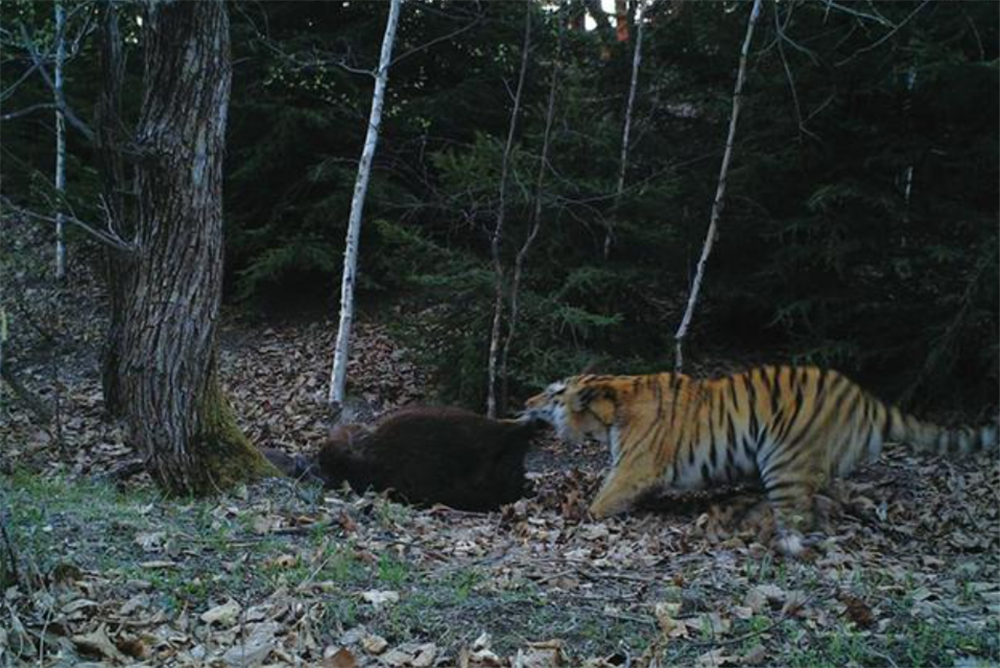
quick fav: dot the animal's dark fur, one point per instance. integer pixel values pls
(433, 455)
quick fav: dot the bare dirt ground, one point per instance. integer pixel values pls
(907, 571)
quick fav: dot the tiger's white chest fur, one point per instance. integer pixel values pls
(614, 438)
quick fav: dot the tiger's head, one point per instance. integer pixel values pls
(579, 407)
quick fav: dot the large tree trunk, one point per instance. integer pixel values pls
(174, 408)
(111, 138)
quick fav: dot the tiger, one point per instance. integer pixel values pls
(791, 428)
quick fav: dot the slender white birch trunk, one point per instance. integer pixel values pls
(338, 375)
(627, 130)
(60, 177)
(911, 84)
(3, 340)
(496, 237)
(720, 193)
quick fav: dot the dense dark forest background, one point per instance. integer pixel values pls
(860, 230)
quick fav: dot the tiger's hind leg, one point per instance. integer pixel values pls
(792, 499)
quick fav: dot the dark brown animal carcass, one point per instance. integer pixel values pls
(433, 455)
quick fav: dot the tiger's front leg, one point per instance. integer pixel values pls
(618, 494)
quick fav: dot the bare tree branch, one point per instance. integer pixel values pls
(88, 27)
(861, 15)
(975, 33)
(788, 74)
(781, 29)
(60, 98)
(536, 223)
(623, 158)
(720, 193)
(11, 115)
(442, 38)
(341, 61)
(48, 56)
(496, 236)
(108, 238)
(11, 89)
(879, 42)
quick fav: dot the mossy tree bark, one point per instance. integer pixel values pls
(173, 404)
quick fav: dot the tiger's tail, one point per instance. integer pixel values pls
(929, 437)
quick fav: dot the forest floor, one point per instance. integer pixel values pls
(283, 573)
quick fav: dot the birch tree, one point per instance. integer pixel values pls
(60, 177)
(57, 55)
(498, 228)
(720, 192)
(911, 84)
(338, 374)
(627, 128)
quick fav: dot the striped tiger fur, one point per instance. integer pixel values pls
(792, 428)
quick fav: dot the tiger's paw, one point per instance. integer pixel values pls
(792, 544)
(601, 510)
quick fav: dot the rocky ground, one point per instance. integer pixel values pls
(107, 571)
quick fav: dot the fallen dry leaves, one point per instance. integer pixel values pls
(652, 569)
(693, 576)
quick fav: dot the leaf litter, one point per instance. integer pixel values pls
(280, 573)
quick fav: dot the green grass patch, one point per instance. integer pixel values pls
(922, 645)
(392, 572)
(92, 525)
(208, 551)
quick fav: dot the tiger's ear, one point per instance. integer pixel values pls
(589, 367)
